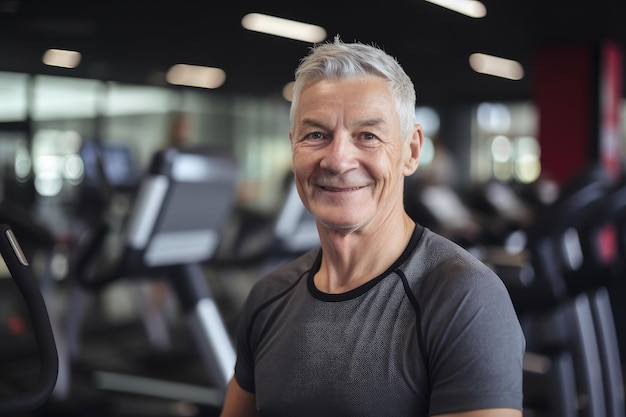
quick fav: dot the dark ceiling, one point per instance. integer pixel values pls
(132, 40)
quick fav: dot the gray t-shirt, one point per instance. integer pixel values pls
(435, 333)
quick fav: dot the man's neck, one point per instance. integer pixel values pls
(351, 259)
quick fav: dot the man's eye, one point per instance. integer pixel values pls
(315, 135)
(368, 136)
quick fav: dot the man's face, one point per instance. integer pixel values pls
(349, 159)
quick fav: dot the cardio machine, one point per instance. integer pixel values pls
(19, 269)
(174, 228)
(572, 366)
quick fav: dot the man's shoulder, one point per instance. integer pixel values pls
(439, 262)
(283, 277)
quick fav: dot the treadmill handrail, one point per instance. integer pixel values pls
(19, 268)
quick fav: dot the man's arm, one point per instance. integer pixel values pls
(491, 412)
(239, 402)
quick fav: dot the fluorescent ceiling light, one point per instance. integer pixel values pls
(288, 91)
(499, 67)
(283, 27)
(196, 76)
(61, 58)
(471, 8)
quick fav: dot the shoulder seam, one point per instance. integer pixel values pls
(273, 299)
(418, 321)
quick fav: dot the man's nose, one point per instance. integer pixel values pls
(340, 155)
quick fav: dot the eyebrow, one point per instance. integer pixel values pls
(371, 122)
(313, 123)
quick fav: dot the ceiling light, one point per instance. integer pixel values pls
(471, 8)
(61, 58)
(499, 67)
(288, 91)
(283, 27)
(196, 76)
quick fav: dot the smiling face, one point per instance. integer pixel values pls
(349, 158)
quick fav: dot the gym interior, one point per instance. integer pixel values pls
(143, 211)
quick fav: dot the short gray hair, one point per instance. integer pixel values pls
(339, 60)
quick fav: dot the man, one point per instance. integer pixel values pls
(387, 318)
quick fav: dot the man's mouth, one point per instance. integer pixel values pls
(340, 189)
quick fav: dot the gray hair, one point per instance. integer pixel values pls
(338, 60)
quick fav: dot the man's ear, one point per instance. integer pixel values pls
(414, 147)
(291, 143)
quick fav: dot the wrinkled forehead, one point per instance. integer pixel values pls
(302, 85)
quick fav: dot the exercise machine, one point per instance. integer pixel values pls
(19, 269)
(573, 365)
(173, 230)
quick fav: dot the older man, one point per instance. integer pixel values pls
(386, 318)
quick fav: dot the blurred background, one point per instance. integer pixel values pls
(522, 105)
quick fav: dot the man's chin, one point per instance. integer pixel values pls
(341, 227)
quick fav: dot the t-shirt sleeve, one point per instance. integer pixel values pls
(244, 366)
(266, 289)
(475, 343)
